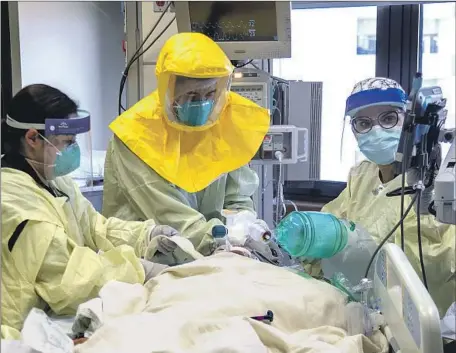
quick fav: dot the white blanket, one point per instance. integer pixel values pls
(204, 306)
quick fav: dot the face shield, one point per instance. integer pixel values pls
(66, 148)
(196, 103)
(375, 111)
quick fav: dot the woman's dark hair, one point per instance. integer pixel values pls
(33, 105)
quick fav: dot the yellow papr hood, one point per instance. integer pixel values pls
(192, 158)
(192, 55)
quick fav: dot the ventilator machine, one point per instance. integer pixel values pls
(445, 188)
(286, 145)
(422, 133)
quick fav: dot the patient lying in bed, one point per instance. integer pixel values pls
(207, 305)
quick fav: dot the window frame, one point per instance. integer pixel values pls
(7, 80)
(398, 36)
(398, 28)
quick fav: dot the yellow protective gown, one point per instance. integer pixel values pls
(134, 191)
(364, 201)
(178, 175)
(50, 245)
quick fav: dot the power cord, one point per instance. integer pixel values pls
(289, 202)
(125, 74)
(244, 64)
(389, 235)
(280, 204)
(420, 245)
(417, 191)
(410, 190)
(404, 161)
(416, 85)
(138, 53)
(157, 38)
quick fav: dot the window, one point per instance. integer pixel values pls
(366, 36)
(430, 42)
(438, 62)
(430, 82)
(330, 56)
(453, 65)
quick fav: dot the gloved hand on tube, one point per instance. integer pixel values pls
(264, 251)
(245, 223)
(151, 269)
(262, 245)
(259, 230)
(165, 246)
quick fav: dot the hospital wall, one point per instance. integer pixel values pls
(76, 47)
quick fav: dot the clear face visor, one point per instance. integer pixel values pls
(364, 121)
(195, 102)
(67, 146)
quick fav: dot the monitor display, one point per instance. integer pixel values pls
(234, 21)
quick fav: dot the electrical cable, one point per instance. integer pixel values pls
(151, 31)
(389, 235)
(418, 218)
(408, 191)
(403, 190)
(416, 84)
(244, 64)
(253, 64)
(125, 74)
(278, 196)
(138, 54)
(132, 61)
(275, 108)
(420, 245)
(158, 37)
(133, 57)
(280, 80)
(431, 209)
(404, 161)
(292, 204)
(280, 203)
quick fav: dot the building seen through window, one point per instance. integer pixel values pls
(430, 41)
(366, 36)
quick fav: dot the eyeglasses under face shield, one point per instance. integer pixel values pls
(194, 102)
(387, 120)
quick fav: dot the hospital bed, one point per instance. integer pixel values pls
(412, 318)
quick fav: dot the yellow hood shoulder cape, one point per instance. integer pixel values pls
(188, 157)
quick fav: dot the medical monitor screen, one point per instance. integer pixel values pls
(234, 21)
